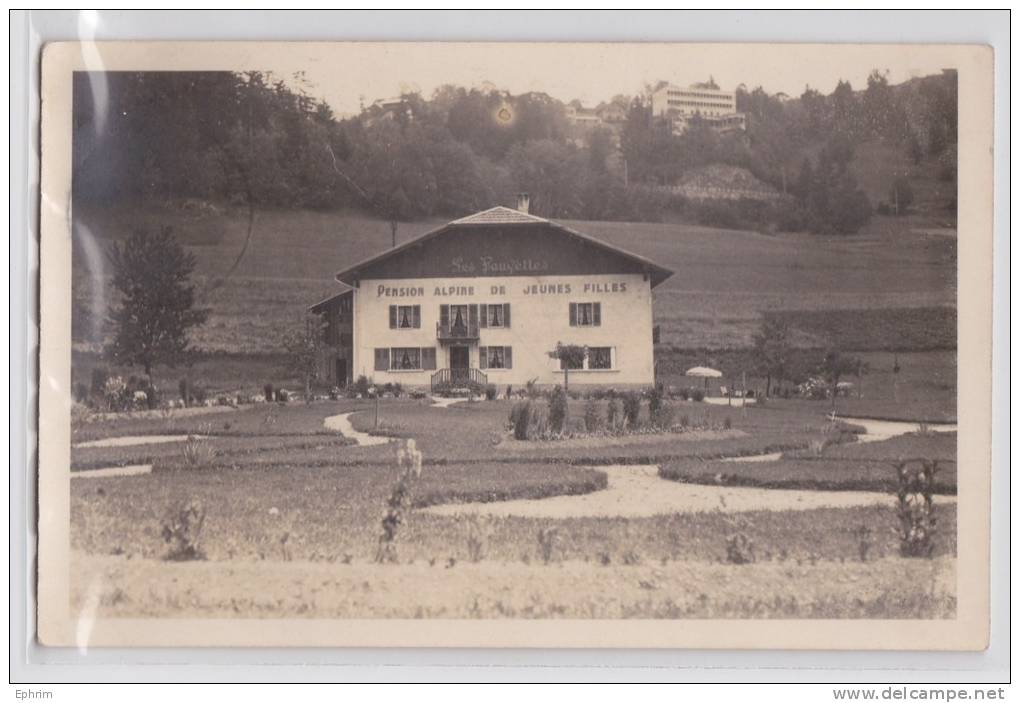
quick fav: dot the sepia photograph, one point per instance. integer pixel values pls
(385, 340)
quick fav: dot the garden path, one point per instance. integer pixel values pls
(445, 402)
(342, 424)
(136, 440)
(637, 491)
(133, 470)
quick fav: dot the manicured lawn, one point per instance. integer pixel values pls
(227, 451)
(848, 467)
(258, 420)
(467, 432)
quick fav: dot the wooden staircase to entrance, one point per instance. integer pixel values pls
(458, 378)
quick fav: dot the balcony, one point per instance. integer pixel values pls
(452, 333)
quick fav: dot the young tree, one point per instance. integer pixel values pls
(571, 356)
(157, 307)
(772, 350)
(304, 344)
(834, 367)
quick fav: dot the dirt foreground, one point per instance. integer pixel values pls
(115, 586)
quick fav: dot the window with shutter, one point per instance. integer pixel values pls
(508, 356)
(428, 358)
(382, 359)
(483, 357)
(585, 314)
(483, 316)
(406, 358)
(416, 316)
(393, 317)
(506, 315)
(444, 316)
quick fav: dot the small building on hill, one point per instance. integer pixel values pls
(484, 299)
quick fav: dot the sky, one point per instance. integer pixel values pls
(345, 75)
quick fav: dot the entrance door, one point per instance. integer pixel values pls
(460, 362)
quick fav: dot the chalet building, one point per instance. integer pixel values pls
(485, 298)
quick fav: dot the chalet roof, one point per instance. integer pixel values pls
(504, 216)
(498, 215)
(345, 290)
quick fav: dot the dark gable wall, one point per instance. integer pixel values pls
(493, 250)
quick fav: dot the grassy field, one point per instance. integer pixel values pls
(724, 279)
(887, 588)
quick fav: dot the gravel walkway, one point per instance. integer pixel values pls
(637, 491)
(342, 424)
(136, 440)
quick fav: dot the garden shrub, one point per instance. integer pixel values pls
(182, 530)
(538, 421)
(592, 416)
(613, 414)
(361, 386)
(915, 510)
(654, 401)
(663, 415)
(490, 391)
(409, 462)
(81, 393)
(547, 539)
(531, 388)
(558, 410)
(184, 391)
(685, 394)
(697, 395)
(115, 396)
(739, 549)
(520, 416)
(268, 391)
(199, 393)
(727, 423)
(632, 408)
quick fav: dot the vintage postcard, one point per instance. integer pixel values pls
(515, 345)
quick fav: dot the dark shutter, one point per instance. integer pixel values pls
(483, 321)
(393, 317)
(428, 358)
(416, 317)
(573, 314)
(506, 317)
(508, 356)
(472, 317)
(596, 314)
(483, 357)
(444, 316)
(382, 359)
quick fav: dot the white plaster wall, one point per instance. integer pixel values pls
(537, 323)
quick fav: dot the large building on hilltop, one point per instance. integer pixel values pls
(485, 298)
(704, 101)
